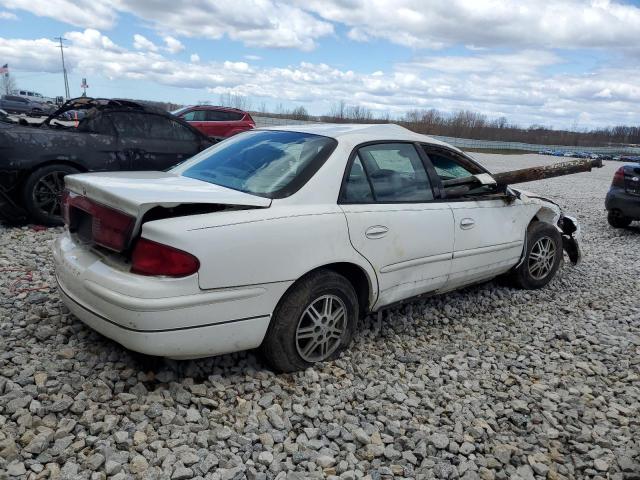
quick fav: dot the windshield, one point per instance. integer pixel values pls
(269, 163)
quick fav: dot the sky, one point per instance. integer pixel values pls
(558, 63)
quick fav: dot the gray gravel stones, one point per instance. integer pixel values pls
(489, 383)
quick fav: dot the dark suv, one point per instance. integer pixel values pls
(216, 123)
(623, 199)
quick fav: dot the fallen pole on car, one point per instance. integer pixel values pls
(459, 186)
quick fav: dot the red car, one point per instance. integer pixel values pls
(216, 122)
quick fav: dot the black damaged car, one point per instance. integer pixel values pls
(110, 135)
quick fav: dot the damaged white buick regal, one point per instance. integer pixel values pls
(282, 238)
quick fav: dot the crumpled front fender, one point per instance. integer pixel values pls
(570, 229)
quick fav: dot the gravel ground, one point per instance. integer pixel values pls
(489, 382)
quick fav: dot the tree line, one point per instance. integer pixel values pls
(459, 124)
(474, 125)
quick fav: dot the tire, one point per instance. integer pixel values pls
(46, 185)
(283, 350)
(538, 268)
(617, 220)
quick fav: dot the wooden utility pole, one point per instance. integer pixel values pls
(64, 68)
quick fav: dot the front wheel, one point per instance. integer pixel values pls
(42, 193)
(617, 220)
(542, 258)
(313, 322)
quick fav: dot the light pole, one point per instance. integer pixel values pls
(64, 68)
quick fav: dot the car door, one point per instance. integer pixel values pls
(217, 124)
(489, 227)
(153, 142)
(198, 120)
(17, 104)
(101, 150)
(394, 222)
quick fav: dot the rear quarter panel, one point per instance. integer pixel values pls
(249, 247)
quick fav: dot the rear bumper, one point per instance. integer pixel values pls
(161, 316)
(628, 204)
(179, 342)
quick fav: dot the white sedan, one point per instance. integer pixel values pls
(283, 238)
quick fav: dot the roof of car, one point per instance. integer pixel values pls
(212, 107)
(363, 131)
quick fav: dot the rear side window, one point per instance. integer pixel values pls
(394, 173)
(222, 116)
(149, 126)
(357, 188)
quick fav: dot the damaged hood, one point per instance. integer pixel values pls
(137, 192)
(535, 196)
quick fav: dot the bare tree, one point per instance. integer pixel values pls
(8, 84)
(338, 110)
(240, 102)
(299, 113)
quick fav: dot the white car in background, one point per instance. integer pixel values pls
(282, 238)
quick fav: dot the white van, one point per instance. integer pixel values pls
(33, 96)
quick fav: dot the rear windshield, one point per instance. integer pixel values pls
(269, 163)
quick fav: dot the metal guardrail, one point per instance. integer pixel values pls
(470, 143)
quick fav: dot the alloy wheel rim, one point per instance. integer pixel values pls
(321, 328)
(47, 193)
(541, 258)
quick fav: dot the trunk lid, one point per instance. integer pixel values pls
(632, 179)
(108, 208)
(135, 193)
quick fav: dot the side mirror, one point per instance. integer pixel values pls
(459, 187)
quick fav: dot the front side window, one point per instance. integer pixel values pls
(448, 168)
(195, 116)
(394, 171)
(97, 124)
(272, 164)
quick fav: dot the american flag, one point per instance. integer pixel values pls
(4, 70)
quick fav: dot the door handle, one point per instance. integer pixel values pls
(467, 223)
(377, 231)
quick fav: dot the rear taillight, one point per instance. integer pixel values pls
(65, 206)
(618, 178)
(152, 258)
(110, 228)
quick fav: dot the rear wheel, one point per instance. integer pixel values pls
(313, 322)
(542, 259)
(42, 193)
(617, 220)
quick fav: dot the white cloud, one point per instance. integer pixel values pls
(141, 42)
(8, 16)
(518, 62)
(253, 57)
(518, 86)
(256, 23)
(173, 45)
(516, 23)
(432, 24)
(81, 13)
(195, 58)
